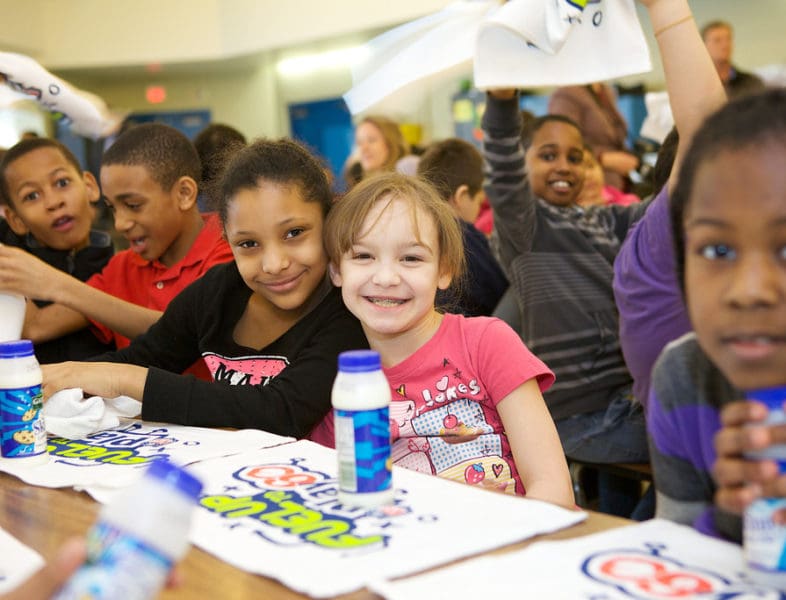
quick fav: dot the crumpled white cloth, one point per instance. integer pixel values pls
(523, 43)
(85, 113)
(69, 415)
(530, 43)
(659, 120)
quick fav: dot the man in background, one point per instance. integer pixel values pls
(719, 39)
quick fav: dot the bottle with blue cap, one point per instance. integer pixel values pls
(21, 421)
(361, 405)
(139, 536)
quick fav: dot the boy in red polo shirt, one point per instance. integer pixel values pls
(149, 180)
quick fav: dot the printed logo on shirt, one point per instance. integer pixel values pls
(245, 370)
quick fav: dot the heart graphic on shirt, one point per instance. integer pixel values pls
(442, 384)
(401, 391)
(497, 469)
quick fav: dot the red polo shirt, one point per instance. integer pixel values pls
(152, 284)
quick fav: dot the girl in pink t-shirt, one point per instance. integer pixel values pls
(466, 392)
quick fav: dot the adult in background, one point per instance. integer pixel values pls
(593, 108)
(718, 37)
(379, 146)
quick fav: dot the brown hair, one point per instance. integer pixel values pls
(345, 221)
(394, 140)
(451, 163)
(714, 25)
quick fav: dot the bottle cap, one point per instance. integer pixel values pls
(359, 361)
(176, 477)
(16, 349)
(773, 397)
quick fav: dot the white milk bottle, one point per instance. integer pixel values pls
(21, 421)
(138, 538)
(764, 522)
(361, 404)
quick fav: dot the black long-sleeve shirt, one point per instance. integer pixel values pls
(283, 388)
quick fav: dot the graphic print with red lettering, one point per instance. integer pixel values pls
(245, 370)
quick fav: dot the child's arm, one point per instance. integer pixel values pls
(104, 379)
(694, 88)
(506, 183)
(23, 273)
(741, 481)
(535, 444)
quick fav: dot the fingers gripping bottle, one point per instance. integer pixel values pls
(138, 538)
(764, 521)
(361, 404)
(21, 421)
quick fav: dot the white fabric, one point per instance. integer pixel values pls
(522, 43)
(654, 559)
(115, 458)
(68, 414)
(659, 120)
(405, 63)
(17, 562)
(275, 512)
(553, 42)
(85, 113)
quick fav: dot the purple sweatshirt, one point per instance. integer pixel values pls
(648, 296)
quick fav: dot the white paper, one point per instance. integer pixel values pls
(118, 457)
(521, 45)
(17, 562)
(656, 559)
(275, 512)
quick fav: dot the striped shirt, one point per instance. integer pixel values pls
(559, 261)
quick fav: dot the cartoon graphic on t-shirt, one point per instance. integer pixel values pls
(245, 370)
(413, 454)
(444, 431)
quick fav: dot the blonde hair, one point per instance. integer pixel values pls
(345, 220)
(394, 140)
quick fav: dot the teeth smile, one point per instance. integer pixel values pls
(561, 184)
(385, 301)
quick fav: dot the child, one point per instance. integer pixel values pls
(467, 401)
(148, 178)
(595, 192)
(269, 324)
(455, 169)
(558, 258)
(49, 212)
(729, 216)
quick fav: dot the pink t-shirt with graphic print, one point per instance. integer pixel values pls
(443, 414)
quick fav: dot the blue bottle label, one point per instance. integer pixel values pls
(118, 566)
(363, 445)
(765, 535)
(21, 423)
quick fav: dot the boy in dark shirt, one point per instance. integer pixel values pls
(48, 202)
(455, 169)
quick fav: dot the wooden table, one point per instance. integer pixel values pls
(44, 518)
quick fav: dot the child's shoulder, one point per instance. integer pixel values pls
(477, 330)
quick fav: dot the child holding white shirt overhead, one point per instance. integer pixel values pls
(466, 392)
